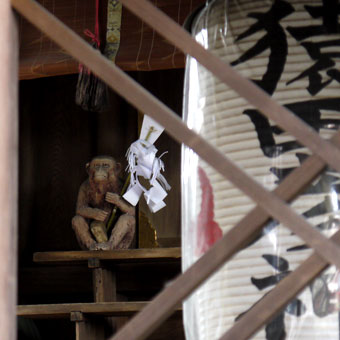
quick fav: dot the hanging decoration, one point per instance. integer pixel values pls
(114, 21)
(143, 162)
(91, 92)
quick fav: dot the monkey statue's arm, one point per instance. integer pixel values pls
(83, 208)
(120, 203)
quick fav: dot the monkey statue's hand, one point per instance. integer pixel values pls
(101, 246)
(112, 198)
(100, 215)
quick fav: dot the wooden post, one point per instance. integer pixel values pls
(87, 329)
(8, 169)
(104, 282)
(105, 289)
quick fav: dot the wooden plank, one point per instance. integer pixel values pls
(245, 231)
(140, 48)
(8, 169)
(104, 282)
(278, 297)
(139, 97)
(105, 289)
(129, 255)
(52, 311)
(147, 104)
(89, 330)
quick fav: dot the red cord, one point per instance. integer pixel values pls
(96, 29)
(95, 37)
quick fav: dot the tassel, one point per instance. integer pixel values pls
(91, 92)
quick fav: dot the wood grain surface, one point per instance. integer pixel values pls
(8, 170)
(162, 306)
(114, 255)
(64, 310)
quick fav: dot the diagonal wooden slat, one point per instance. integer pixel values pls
(140, 98)
(168, 28)
(153, 111)
(277, 298)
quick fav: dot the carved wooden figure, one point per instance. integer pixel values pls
(96, 198)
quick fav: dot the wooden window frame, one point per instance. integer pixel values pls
(270, 204)
(9, 151)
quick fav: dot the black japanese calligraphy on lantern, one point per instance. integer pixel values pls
(323, 54)
(276, 328)
(275, 40)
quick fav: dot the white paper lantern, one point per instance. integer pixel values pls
(292, 50)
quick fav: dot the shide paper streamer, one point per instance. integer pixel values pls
(143, 162)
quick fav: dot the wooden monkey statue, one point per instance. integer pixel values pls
(96, 198)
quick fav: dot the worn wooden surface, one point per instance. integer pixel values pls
(141, 48)
(8, 169)
(61, 310)
(155, 254)
(65, 282)
(87, 328)
(105, 288)
(136, 95)
(272, 204)
(104, 284)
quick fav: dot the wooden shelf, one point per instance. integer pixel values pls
(130, 255)
(63, 311)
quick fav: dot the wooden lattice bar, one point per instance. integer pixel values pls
(144, 323)
(9, 169)
(63, 310)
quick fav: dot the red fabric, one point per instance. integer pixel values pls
(208, 231)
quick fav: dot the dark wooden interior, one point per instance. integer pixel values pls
(141, 48)
(57, 139)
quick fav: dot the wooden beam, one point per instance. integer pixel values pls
(105, 288)
(140, 98)
(130, 255)
(63, 311)
(86, 328)
(8, 169)
(148, 104)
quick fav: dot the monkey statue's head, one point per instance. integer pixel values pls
(103, 170)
